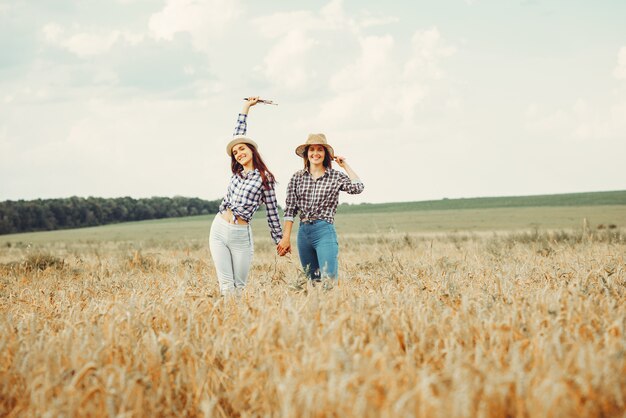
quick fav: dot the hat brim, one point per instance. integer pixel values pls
(239, 139)
(300, 150)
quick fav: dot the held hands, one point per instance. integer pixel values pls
(283, 247)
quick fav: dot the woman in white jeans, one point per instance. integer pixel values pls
(251, 184)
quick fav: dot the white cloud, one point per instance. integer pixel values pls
(5, 8)
(542, 121)
(118, 149)
(86, 44)
(581, 122)
(283, 23)
(52, 32)
(585, 121)
(428, 49)
(372, 67)
(201, 19)
(383, 79)
(620, 71)
(286, 62)
(363, 86)
(291, 60)
(333, 13)
(373, 21)
(331, 18)
(385, 83)
(305, 42)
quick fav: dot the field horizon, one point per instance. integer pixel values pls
(547, 212)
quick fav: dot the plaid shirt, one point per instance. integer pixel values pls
(245, 194)
(318, 199)
(241, 127)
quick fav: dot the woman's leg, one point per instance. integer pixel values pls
(327, 248)
(307, 253)
(242, 250)
(222, 258)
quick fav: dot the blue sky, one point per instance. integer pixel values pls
(425, 99)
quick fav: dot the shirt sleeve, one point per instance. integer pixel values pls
(291, 204)
(241, 127)
(355, 186)
(273, 220)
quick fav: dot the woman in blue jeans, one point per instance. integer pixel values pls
(314, 193)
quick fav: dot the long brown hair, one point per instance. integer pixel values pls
(327, 163)
(267, 178)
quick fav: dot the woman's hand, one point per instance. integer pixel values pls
(341, 161)
(344, 164)
(249, 103)
(284, 246)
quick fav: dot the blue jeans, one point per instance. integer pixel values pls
(318, 249)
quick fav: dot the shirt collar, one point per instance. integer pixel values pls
(326, 172)
(250, 173)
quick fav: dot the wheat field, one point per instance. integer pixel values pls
(457, 325)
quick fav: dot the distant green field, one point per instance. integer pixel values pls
(555, 200)
(379, 222)
(480, 220)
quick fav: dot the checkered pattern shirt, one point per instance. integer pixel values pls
(318, 198)
(241, 127)
(245, 194)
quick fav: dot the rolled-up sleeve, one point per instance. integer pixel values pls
(242, 126)
(273, 219)
(291, 204)
(355, 186)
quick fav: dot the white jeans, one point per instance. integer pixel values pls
(232, 248)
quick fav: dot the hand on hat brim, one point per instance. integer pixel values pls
(340, 160)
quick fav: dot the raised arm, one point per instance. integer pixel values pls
(241, 127)
(355, 185)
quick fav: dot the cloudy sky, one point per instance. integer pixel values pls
(426, 100)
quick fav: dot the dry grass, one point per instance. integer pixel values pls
(454, 326)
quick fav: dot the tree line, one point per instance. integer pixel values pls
(77, 212)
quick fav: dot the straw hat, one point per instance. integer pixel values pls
(315, 139)
(239, 139)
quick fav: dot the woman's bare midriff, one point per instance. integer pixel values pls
(228, 217)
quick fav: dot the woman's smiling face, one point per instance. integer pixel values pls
(316, 154)
(242, 153)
